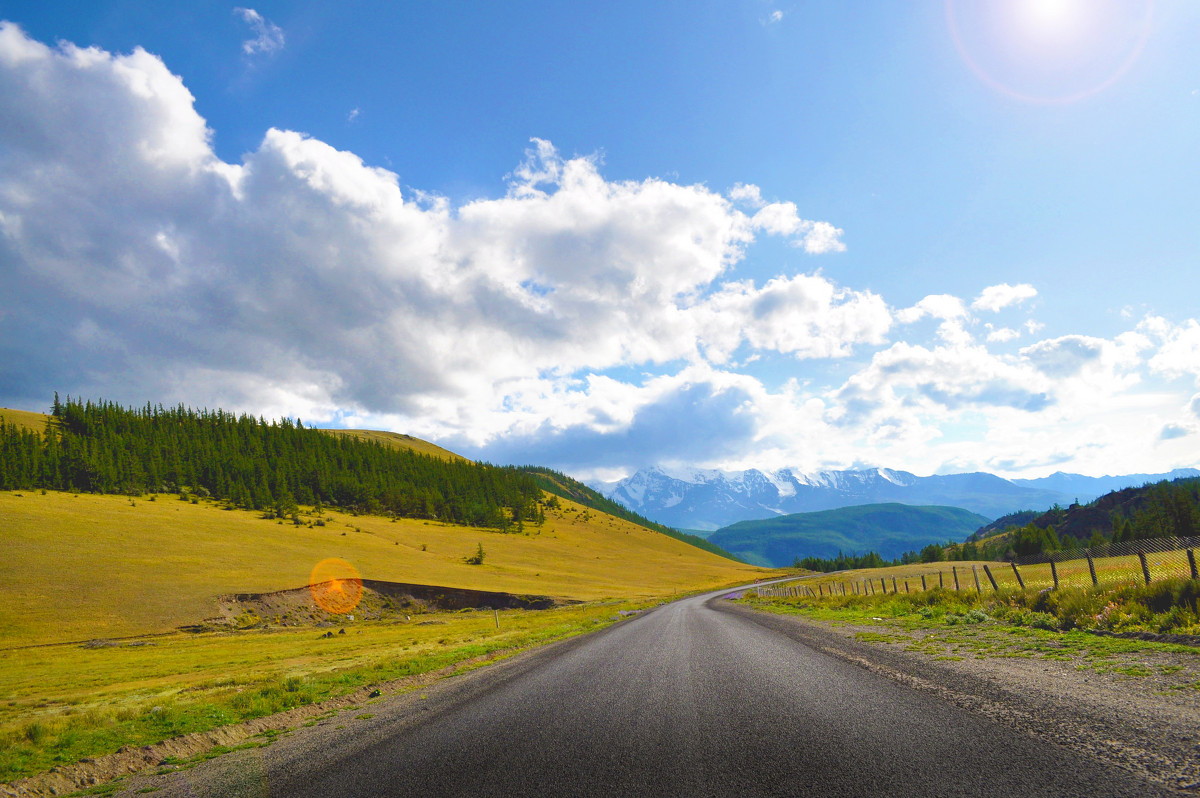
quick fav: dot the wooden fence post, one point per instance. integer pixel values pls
(1192, 563)
(1020, 581)
(894, 590)
(1145, 566)
(923, 587)
(940, 582)
(975, 572)
(1091, 567)
(1054, 573)
(954, 568)
(905, 585)
(883, 585)
(991, 578)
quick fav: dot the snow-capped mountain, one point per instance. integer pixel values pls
(706, 500)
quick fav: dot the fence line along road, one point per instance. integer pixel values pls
(1137, 561)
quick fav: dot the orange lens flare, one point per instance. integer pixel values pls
(335, 585)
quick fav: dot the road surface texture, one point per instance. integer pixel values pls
(694, 698)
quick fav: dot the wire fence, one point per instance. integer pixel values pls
(1133, 562)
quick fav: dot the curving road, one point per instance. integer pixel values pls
(691, 699)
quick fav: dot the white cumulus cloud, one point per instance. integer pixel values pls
(1179, 352)
(1001, 335)
(304, 271)
(997, 297)
(578, 316)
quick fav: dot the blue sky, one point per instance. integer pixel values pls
(936, 236)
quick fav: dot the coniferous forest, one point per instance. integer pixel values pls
(247, 462)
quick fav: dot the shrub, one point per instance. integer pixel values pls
(36, 733)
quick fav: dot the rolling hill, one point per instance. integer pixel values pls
(889, 529)
(79, 566)
(397, 440)
(84, 564)
(1161, 509)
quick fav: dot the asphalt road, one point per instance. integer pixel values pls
(693, 700)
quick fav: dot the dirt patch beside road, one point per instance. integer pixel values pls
(380, 599)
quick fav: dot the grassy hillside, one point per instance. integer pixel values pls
(252, 464)
(397, 440)
(1162, 509)
(80, 566)
(1019, 518)
(889, 529)
(24, 419)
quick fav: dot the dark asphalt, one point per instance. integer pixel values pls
(691, 700)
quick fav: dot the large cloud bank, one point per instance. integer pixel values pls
(301, 281)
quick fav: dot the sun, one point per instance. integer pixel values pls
(1049, 51)
(1053, 17)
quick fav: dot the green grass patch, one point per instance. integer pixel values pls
(1168, 606)
(60, 704)
(1011, 624)
(879, 637)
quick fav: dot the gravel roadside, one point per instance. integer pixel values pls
(1139, 711)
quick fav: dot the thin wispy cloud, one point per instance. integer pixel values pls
(268, 37)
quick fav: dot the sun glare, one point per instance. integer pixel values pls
(1049, 51)
(1050, 16)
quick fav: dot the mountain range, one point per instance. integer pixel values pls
(886, 529)
(705, 500)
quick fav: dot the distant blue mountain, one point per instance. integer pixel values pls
(887, 529)
(705, 500)
(1088, 488)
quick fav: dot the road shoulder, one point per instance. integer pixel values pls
(1128, 721)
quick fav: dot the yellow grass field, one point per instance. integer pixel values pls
(397, 441)
(24, 419)
(85, 566)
